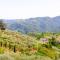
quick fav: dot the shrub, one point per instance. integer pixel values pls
(5, 57)
(1, 50)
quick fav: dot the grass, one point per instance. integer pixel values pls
(17, 46)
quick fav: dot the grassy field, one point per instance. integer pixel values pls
(33, 46)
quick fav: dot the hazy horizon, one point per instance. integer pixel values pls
(23, 9)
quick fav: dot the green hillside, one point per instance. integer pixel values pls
(17, 46)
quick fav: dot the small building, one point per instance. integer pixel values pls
(43, 40)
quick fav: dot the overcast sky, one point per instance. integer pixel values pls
(15, 9)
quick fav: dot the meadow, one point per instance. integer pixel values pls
(33, 46)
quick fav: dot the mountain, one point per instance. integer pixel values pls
(38, 24)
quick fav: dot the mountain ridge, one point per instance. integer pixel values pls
(37, 24)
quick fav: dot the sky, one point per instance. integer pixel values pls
(22, 9)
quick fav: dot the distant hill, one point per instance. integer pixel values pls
(38, 24)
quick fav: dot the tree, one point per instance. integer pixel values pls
(2, 25)
(14, 48)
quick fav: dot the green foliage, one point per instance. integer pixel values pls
(58, 46)
(29, 47)
(2, 25)
(37, 35)
(1, 50)
(31, 57)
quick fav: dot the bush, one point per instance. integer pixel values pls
(5, 57)
(1, 50)
(18, 56)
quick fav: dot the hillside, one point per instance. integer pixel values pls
(38, 24)
(10, 39)
(15, 45)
